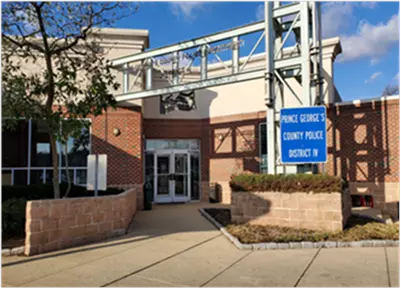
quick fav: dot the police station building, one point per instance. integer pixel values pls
(188, 144)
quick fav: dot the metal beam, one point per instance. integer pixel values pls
(238, 31)
(193, 85)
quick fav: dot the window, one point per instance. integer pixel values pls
(26, 155)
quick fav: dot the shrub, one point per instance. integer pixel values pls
(45, 191)
(13, 217)
(286, 183)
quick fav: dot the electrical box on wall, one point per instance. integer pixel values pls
(97, 173)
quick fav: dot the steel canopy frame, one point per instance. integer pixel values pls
(303, 20)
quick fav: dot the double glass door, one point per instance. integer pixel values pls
(172, 176)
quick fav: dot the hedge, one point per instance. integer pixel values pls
(287, 183)
(45, 191)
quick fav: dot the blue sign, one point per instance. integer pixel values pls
(303, 135)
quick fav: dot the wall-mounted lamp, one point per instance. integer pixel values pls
(116, 131)
(220, 137)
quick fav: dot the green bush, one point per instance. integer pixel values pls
(286, 183)
(45, 191)
(13, 218)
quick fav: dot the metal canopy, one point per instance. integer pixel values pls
(300, 19)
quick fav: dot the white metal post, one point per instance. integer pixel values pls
(204, 62)
(176, 67)
(125, 79)
(149, 67)
(235, 54)
(270, 97)
(305, 54)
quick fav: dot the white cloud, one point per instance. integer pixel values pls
(396, 78)
(373, 77)
(187, 10)
(371, 41)
(260, 12)
(336, 17)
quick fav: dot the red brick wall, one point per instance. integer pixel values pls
(56, 224)
(228, 145)
(366, 149)
(124, 152)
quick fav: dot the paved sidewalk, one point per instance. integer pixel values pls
(173, 246)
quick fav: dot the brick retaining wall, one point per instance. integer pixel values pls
(323, 211)
(56, 224)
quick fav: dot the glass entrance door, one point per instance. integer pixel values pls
(172, 177)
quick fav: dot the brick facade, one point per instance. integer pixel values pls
(228, 145)
(365, 150)
(57, 224)
(124, 152)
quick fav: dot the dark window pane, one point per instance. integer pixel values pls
(78, 150)
(263, 148)
(81, 177)
(149, 171)
(41, 148)
(15, 145)
(20, 177)
(64, 178)
(195, 185)
(37, 176)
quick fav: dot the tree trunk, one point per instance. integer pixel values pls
(67, 171)
(56, 184)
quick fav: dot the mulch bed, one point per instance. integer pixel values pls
(358, 228)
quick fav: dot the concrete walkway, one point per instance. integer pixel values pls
(173, 246)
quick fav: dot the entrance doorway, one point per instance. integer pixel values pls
(172, 167)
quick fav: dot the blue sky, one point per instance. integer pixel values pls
(369, 33)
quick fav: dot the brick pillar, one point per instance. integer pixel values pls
(124, 151)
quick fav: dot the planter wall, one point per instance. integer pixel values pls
(322, 211)
(56, 224)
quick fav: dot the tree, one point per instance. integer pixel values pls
(391, 90)
(71, 79)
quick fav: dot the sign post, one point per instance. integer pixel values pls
(303, 135)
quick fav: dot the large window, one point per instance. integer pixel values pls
(26, 155)
(263, 148)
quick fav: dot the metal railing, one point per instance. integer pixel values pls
(45, 175)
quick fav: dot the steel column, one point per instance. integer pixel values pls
(235, 54)
(149, 68)
(203, 67)
(305, 53)
(270, 97)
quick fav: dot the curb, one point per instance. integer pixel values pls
(17, 251)
(298, 245)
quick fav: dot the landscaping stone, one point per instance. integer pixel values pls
(366, 243)
(283, 246)
(330, 244)
(271, 245)
(355, 244)
(259, 246)
(295, 245)
(18, 250)
(379, 243)
(307, 245)
(343, 244)
(318, 244)
(5, 252)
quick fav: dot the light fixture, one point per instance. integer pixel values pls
(116, 131)
(220, 137)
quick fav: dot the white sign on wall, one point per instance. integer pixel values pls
(97, 173)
